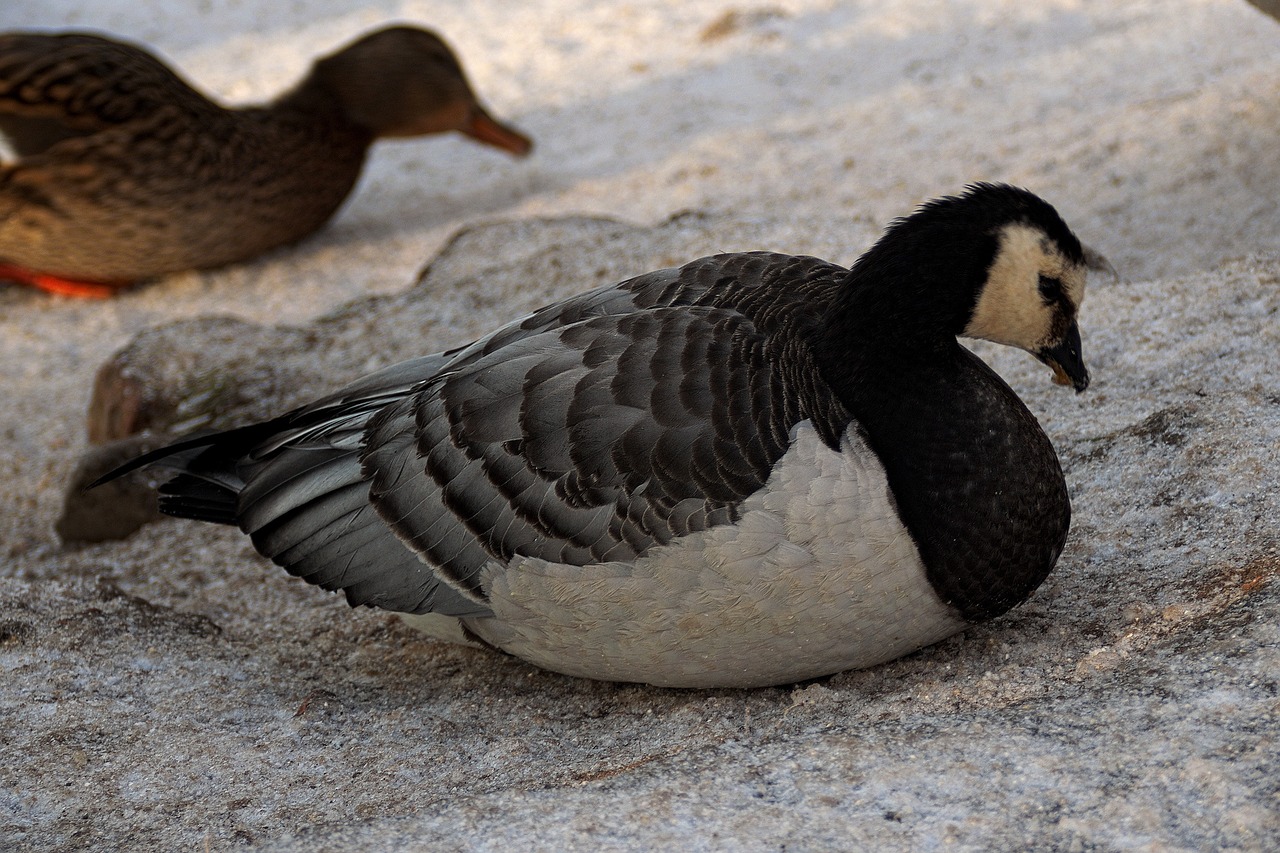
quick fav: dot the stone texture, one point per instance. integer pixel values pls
(172, 691)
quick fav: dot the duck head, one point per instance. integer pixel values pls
(404, 81)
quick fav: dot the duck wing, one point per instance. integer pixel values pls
(54, 87)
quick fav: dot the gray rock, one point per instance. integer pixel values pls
(115, 509)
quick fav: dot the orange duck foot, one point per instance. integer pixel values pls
(60, 286)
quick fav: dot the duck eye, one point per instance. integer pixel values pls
(1050, 289)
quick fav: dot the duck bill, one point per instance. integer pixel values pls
(1066, 361)
(483, 127)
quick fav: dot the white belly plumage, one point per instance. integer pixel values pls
(817, 576)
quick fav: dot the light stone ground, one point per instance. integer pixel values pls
(174, 692)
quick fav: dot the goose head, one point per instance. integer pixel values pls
(995, 262)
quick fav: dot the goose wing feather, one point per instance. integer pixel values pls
(589, 431)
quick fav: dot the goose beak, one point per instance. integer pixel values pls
(1066, 361)
(483, 127)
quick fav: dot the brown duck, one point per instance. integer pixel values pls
(125, 172)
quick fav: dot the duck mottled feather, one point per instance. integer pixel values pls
(126, 172)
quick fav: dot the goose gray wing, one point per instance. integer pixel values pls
(296, 486)
(590, 431)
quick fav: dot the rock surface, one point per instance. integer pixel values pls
(172, 691)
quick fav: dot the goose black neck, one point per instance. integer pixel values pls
(904, 303)
(975, 480)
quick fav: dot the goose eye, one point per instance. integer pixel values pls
(1050, 289)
